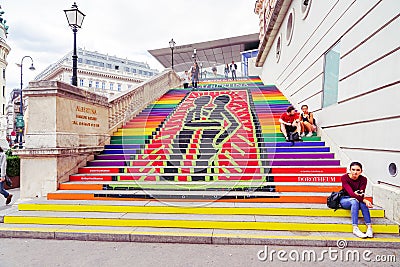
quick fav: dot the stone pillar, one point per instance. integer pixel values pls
(64, 127)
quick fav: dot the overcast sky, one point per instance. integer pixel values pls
(124, 28)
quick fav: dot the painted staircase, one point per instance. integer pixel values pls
(201, 166)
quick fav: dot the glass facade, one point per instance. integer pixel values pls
(331, 76)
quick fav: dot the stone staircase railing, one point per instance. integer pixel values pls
(124, 107)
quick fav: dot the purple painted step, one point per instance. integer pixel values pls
(306, 163)
(302, 156)
(272, 163)
(270, 156)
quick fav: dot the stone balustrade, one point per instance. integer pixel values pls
(124, 107)
(65, 126)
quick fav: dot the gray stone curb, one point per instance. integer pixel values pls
(187, 239)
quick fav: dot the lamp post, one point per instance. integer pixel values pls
(75, 18)
(172, 46)
(194, 56)
(201, 70)
(20, 124)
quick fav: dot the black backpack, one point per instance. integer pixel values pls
(333, 201)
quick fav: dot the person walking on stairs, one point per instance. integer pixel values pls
(233, 68)
(354, 185)
(194, 73)
(226, 71)
(3, 166)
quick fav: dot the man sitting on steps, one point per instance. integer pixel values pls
(290, 122)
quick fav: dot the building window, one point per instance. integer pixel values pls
(111, 86)
(4, 73)
(81, 82)
(80, 60)
(290, 27)
(103, 85)
(109, 66)
(4, 91)
(140, 71)
(305, 7)
(133, 70)
(127, 69)
(119, 87)
(116, 67)
(90, 83)
(331, 76)
(97, 85)
(278, 49)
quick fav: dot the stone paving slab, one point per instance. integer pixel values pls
(196, 236)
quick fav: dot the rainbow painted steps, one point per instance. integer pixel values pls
(184, 169)
(211, 136)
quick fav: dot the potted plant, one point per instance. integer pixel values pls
(13, 169)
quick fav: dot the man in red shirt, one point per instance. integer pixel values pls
(290, 122)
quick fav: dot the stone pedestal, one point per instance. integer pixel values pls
(388, 197)
(64, 127)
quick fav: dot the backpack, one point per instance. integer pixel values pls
(333, 201)
(294, 137)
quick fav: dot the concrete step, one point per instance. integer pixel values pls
(194, 236)
(197, 221)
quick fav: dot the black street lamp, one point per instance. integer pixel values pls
(75, 18)
(172, 46)
(20, 124)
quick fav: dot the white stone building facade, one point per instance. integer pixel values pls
(100, 73)
(342, 59)
(4, 51)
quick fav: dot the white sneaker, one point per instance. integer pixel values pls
(358, 233)
(309, 134)
(302, 135)
(369, 232)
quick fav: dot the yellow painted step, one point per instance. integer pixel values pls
(192, 224)
(196, 210)
(159, 233)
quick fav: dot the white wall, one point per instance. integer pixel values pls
(365, 123)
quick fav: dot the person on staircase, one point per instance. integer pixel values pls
(3, 166)
(290, 122)
(214, 70)
(354, 185)
(233, 68)
(185, 79)
(307, 122)
(194, 73)
(226, 71)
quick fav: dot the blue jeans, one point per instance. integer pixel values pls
(352, 204)
(3, 191)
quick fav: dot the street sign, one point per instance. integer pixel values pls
(20, 121)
